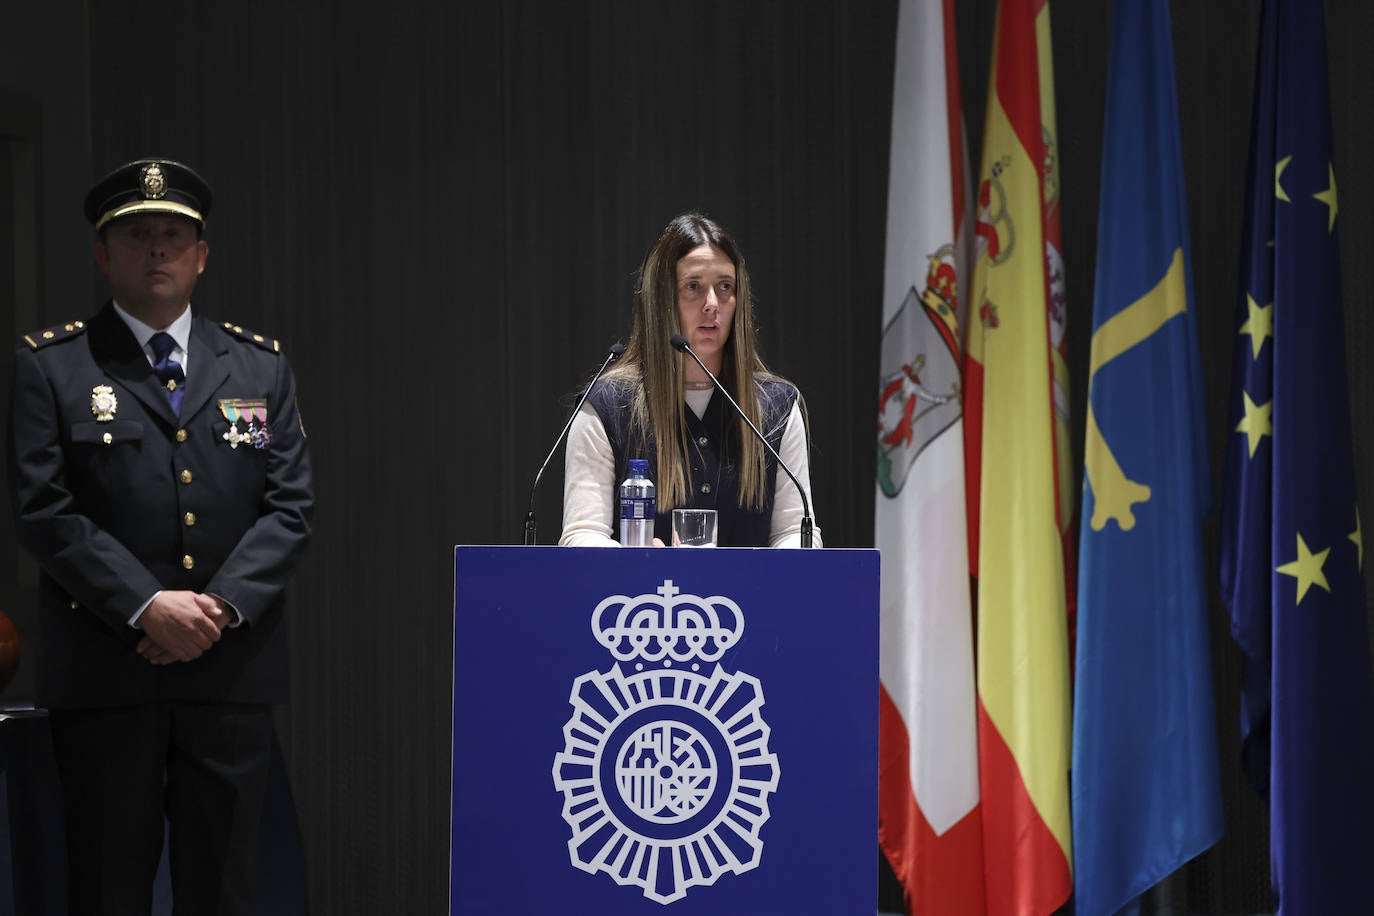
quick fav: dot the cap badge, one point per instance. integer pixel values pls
(252, 412)
(103, 403)
(154, 182)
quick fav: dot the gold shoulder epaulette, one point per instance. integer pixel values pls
(267, 343)
(58, 332)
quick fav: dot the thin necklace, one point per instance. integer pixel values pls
(697, 386)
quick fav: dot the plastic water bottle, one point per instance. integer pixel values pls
(637, 506)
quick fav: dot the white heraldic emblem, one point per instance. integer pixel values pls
(666, 771)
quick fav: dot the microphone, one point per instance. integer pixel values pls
(530, 525)
(680, 344)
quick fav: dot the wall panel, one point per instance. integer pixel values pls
(440, 207)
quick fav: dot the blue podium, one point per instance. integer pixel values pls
(659, 731)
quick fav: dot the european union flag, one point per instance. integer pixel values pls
(1146, 790)
(1292, 544)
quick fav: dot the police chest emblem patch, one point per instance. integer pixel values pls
(666, 772)
(103, 403)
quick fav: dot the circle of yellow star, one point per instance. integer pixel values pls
(1357, 536)
(1259, 325)
(1279, 192)
(1258, 422)
(1307, 569)
(1328, 197)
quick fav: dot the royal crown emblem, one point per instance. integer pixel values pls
(665, 771)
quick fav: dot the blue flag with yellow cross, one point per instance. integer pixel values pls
(1292, 545)
(1146, 789)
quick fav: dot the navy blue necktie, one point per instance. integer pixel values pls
(168, 370)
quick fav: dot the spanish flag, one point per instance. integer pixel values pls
(1020, 479)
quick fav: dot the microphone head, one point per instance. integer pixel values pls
(617, 350)
(679, 343)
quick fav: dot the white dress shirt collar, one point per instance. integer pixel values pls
(180, 331)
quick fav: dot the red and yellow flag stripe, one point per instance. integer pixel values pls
(1019, 479)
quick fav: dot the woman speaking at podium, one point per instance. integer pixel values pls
(659, 404)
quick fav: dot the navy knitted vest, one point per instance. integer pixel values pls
(712, 454)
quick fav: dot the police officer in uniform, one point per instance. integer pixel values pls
(159, 475)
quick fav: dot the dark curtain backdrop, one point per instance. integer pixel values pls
(439, 209)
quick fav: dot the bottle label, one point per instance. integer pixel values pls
(632, 508)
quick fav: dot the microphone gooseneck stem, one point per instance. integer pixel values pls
(680, 343)
(531, 526)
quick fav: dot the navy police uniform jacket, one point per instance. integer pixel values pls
(117, 497)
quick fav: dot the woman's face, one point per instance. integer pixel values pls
(706, 302)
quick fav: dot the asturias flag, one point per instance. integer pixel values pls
(1292, 542)
(929, 824)
(1146, 788)
(1020, 502)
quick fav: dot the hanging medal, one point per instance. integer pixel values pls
(258, 433)
(253, 412)
(229, 408)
